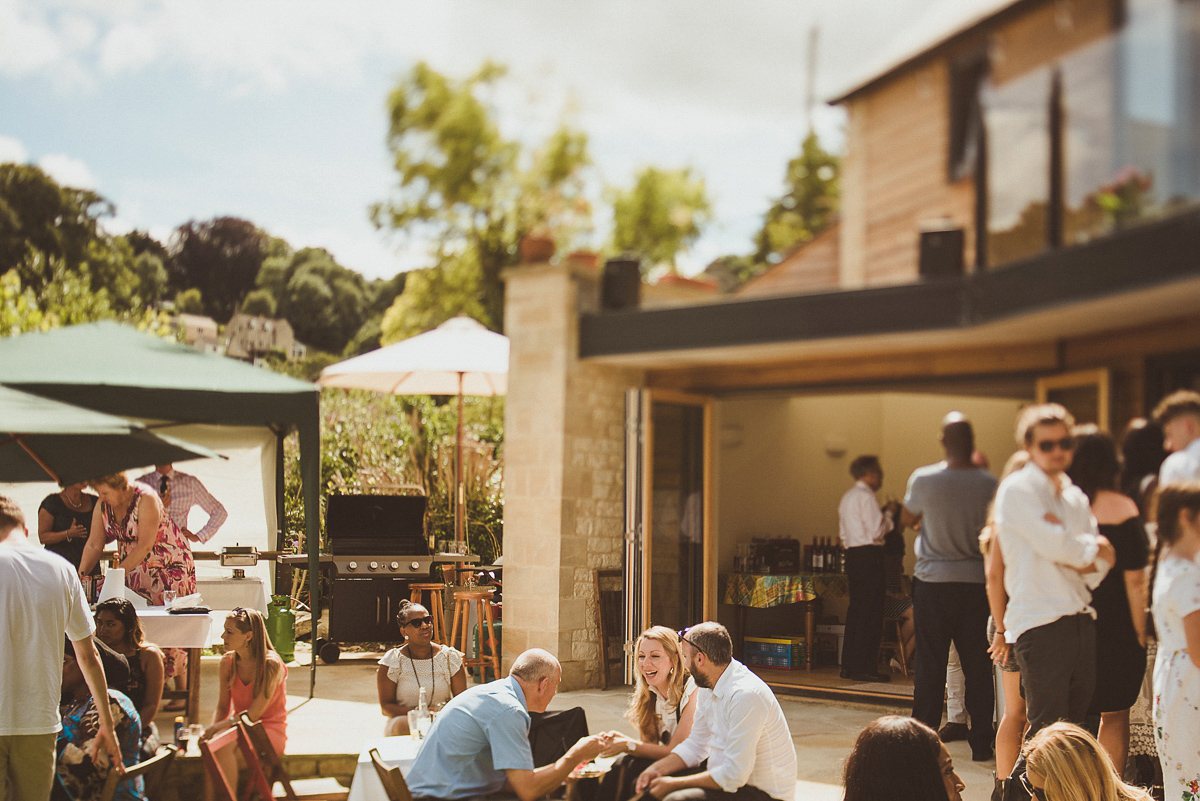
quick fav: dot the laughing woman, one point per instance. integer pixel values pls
(662, 709)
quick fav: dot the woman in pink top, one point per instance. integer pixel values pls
(253, 679)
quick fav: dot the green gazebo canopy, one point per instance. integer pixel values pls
(116, 369)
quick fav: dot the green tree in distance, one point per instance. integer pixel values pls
(473, 192)
(807, 206)
(660, 215)
(220, 257)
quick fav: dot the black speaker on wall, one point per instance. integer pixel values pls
(621, 284)
(941, 253)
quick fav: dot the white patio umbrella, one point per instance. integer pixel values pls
(459, 357)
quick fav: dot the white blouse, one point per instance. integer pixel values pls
(668, 716)
(433, 674)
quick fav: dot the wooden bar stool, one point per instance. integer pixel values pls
(436, 605)
(460, 638)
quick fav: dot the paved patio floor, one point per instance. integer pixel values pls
(345, 712)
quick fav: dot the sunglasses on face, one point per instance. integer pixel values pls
(421, 621)
(683, 636)
(1048, 445)
(1037, 792)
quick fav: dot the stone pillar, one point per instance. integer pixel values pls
(564, 466)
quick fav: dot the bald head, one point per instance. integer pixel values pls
(534, 665)
(958, 437)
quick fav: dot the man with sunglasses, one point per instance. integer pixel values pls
(739, 729)
(1053, 556)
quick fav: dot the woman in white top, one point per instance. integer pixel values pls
(418, 663)
(662, 709)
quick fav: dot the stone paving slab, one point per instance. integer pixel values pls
(326, 733)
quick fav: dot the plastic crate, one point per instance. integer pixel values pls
(780, 653)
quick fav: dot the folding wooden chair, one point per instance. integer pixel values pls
(272, 771)
(151, 770)
(226, 786)
(391, 778)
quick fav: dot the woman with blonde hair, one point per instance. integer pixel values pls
(1065, 763)
(253, 679)
(662, 708)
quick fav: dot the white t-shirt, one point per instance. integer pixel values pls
(40, 600)
(668, 716)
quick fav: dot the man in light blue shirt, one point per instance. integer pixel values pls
(950, 500)
(479, 741)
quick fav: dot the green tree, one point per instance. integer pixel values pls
(189, 301)
(808, 204)
(220, 257)
(433, 296)
(661, 215)
(259, 302)
(472, 191)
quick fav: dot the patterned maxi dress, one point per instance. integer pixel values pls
(168, 566)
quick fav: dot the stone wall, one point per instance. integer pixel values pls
(564, 473)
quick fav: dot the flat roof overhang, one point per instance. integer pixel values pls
(1146, 275)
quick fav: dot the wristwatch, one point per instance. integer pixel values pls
(631, 745)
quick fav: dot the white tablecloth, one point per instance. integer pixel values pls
(395, 751)
(229, 593)
(178, 631)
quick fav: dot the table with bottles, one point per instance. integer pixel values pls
(765, 590)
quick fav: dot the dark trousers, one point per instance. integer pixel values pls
(743, 793)
(1058, 670)
(864, 618)
(944, 613)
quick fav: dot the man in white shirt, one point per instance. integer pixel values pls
(40, 600)
(861, 528)
(1053, 557)
(179, 493)
(739, 728)
(1179, 416)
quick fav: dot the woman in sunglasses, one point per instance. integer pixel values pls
(1065, 763)
(418, 663)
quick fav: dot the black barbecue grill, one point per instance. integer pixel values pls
(378, 547)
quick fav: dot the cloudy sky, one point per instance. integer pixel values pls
(274, 111)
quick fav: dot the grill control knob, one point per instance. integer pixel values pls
(394, 565)
(414, 566)
(373, 566)
(352, 566)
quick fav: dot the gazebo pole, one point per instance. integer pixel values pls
(459, 496)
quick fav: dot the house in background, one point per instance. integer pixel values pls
(199, 331)
(250, 338)
(1020, 221)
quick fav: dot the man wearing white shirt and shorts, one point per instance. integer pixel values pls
(1054, 556)
(739, 728)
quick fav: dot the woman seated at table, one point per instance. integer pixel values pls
(82, 765)
(418, 663)
(661, 708)
(64, 521)
(252, 679)
(118, 627)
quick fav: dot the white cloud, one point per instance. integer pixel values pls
(68, 171)
(12, 150)
(26, 45)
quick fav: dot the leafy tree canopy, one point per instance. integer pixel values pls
(475, 193)
(808, 204)
(661, 215)
(220, 257)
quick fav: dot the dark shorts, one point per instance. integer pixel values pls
(1010, 665)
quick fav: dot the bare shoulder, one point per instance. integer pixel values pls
(1113, 507)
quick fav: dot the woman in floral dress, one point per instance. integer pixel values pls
(1176, 606)
(150, 547)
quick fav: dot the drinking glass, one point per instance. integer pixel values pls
(169, 597)
(414, 729)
